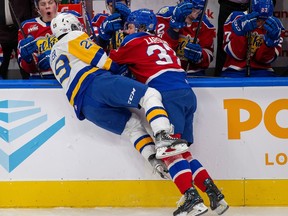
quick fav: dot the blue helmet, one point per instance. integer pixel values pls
(265, 8)
(127, 2)
(143, 18)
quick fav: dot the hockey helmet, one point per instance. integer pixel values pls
(143, 18)
(128, 2)
(265, 8)
(63, 23)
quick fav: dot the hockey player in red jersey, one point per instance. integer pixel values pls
(106, 26)
(261, 48)
(153, 62)
(35, 45)
(178, 25)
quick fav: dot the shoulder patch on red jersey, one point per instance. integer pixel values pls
(166, 11)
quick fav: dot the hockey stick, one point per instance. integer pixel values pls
(249, 39)
(89, 26)
(200, 23)
(113, 41)
(24, 35)
(198, 29)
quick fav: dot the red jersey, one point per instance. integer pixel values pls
(236, 47)
(44, 39)
(151, 61)
(205, 39)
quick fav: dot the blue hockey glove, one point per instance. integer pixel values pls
(193, 52)
(44, 60)
(199, 4)
(123, 10)
(110, 25)
(270, 42)
(124, 71)
(272, 27)
(245, 24)
(179, 15)
(27, 47)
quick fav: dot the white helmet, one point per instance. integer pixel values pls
(64, 23)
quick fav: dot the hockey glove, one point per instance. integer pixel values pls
(27, 47)
(193, 52)
(270, 42)
(245, 24)
(124, 71)
(272, 27)
(199, 4)
(123, 10)
(179, 15)
(110, 25)
(44, 60)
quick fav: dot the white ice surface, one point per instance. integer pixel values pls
(233, 211)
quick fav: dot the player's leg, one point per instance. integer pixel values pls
(118, 91)
(179, 167)
(121, 121)
(157, 117)
(201, 178)
(144, 144)
(205, 183)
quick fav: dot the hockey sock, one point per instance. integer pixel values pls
(156, 114)
(180, 172)
(200, 174)
(138, 135)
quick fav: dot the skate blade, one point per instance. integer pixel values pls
(198, 209)
(164, 152)
(223, 207)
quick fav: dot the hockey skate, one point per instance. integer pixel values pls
(190, 204)
(167, 146)
(217, 202)
(159, 167)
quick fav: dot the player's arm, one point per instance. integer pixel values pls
(87, 51)
(205, 47)
(273, 39)
(25, 50)
(170, 19)
(233, 44)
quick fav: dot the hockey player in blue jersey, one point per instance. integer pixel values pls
(82, 68)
